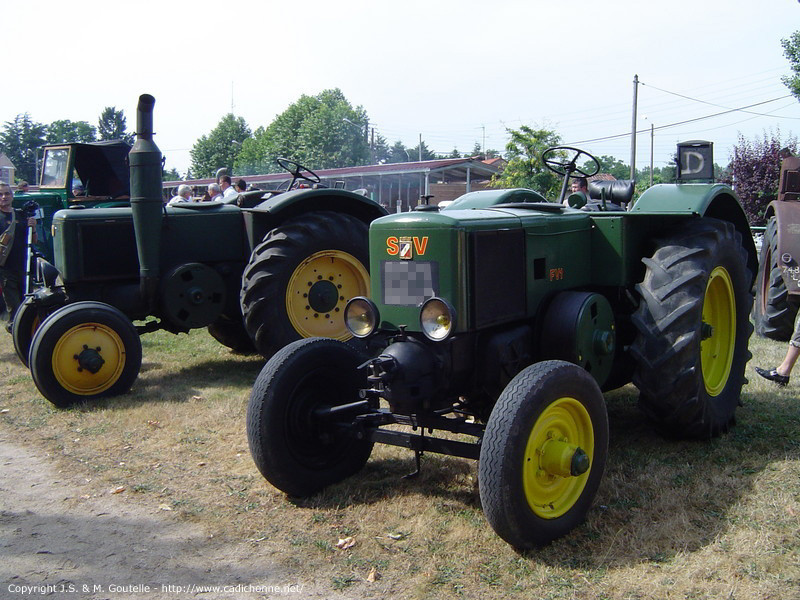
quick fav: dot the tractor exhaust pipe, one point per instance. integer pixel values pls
(146, 203)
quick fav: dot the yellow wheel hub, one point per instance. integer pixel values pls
(560, 443)
(719, 331)
(88, 359)
(318, 290)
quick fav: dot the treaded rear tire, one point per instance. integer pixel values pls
(232, 334)
(265, 295)
(672, 384)
(773, 312)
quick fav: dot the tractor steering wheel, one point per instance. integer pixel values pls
(298, 171)
(565, 165)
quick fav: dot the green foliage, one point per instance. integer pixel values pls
(20, 140)
(398, 153)
(525, 167)
(170, 174)
(65, 131)
(612, 166)
(754, 172)
(321, 132)
(113, 126)
(791, 50)
(221, 147)
(421, 152)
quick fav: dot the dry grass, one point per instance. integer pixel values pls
(672, 519)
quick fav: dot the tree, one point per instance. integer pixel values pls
(398, 153)
(754, 172)
(321, 132)
(66, 131)
(421, 152)
(525, 167)
(112, 125)
(20, 141)
(791, 50)
(170, 174)
(612, 166)
(221, 147)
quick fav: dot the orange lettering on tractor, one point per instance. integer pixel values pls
(392, 247)
(420, 245)
(556, 274)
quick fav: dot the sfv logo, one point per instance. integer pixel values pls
(406, 246)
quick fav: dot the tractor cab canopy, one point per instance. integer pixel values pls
(97, 169)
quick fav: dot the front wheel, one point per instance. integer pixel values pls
(693, 325)
(29, 316)
(83, 351)
(297, 442)
(543, 454)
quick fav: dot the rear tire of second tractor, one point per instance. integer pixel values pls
(693, 325)
(301, 276)
(773, 312)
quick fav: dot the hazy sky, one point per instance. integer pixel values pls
(455, 72)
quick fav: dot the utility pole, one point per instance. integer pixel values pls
(633, 127)
(420, 147)
(651, 153)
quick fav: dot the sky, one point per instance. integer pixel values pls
(455, 72)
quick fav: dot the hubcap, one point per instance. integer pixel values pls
(719, 318)
(88, 359)
(318, 290)
(558, 458)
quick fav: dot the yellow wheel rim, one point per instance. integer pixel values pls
(318, 290)
(76, 354)
(718, 331)
(549, 488)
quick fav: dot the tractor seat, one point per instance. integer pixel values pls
(618, 191)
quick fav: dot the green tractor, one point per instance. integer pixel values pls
(778, 282)
(78, 176)
(498, 320)
(259, 270)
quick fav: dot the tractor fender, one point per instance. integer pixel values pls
(713, 200)
(272, 212)
(787, 218)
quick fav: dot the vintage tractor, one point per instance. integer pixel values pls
(498, 321)
(97, 171)
(778, 282)
(260, 271)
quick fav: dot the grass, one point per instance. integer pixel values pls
(672, 519)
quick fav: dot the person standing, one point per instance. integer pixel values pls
(13, 250)
(225, 185)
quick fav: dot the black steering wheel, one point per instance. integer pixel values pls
(564, 165)
(564, 161)
(298, 171)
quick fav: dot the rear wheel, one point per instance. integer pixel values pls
(301, 276)
(543, 453)
(296, 443)
(773, 312)
(83, 351)
(693, 329)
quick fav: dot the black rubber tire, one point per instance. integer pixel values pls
(774, 312)
(669, 320)
(232, 334)
(295, 451)
(27, 320)
(64, 385)
(535, 392)
(266, 278)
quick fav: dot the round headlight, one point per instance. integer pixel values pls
(361, 316)
(437, 319)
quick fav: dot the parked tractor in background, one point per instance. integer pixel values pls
(78, 176)
(778, 283)
(259, 270)
(500, 319)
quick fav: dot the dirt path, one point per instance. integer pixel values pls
(107, 547)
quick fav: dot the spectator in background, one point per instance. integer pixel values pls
(213, 192)
(13, 250)
(225, 185)
(183, 194)
(241, 185)
(22, 187)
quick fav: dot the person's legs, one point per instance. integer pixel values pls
(12, 293)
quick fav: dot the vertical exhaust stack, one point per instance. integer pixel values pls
(146, 203)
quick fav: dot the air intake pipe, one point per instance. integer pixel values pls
(146, 203)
